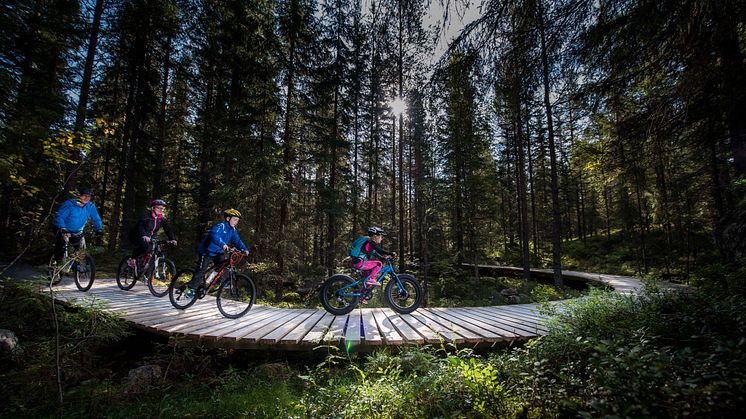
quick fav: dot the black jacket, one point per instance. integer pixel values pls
(148, 225)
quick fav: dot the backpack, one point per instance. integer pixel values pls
(356, 248)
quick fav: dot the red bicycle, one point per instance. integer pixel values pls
(235, 292)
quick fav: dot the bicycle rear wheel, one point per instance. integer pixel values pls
(404, 299)
(334, 299)
(179, 293)
(236, 295)
(159, 279)
(84, 274)
(126, 276)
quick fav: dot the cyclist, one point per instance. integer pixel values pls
(365, 247)
(70, 220)
(220, 238)
(147, 226)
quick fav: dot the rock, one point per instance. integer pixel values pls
(275, 370)
(8, 341)
(142, 378)
(507, 292)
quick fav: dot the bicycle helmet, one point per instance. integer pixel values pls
(85, 191)
(157, 202)
(376, 231)
(231, 213)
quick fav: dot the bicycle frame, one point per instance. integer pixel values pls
(68, 262)
(229, 265)
(387, 270)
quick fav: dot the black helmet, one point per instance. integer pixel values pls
(157, 202)
(376, 231)
(85, 191)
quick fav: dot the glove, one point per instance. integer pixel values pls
(173, 242)
(246, 252)
(146, 238)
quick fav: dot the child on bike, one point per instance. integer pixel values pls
(365, 247)
(71, 218)
(147, 227)
(220, 238)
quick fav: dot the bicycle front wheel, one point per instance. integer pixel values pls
(181, 296)
(160, 277)
(54, 271)
(335, 295)
(126, 276)
(84, 274)
(406, 298)
(236, 295)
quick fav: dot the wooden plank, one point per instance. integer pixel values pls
(529, 325)
(319, 330)
(255, 315)
(352, 332)
(250, 326)
(336, 331)
(433, 331)
(497, 326)
(522, 328)
(389, 333)
(300, 331)
(405, 330)
(487, 332)
(371, 335)
(454, 325)
(268, 327)
(276, 335)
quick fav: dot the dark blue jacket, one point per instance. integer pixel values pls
(220, 234)
(73, 218)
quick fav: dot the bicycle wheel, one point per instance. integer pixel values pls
(126, 276)
(84, 274)
(406, 299)
(159, 278)
(333, 298)
(177, 290)
(54, 271)
(236, 295)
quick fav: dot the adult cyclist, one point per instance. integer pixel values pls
(71, 219)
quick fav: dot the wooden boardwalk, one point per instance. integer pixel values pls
(303, 329)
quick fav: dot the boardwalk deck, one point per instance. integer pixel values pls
(303, 329)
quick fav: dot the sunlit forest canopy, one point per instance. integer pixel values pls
(492, 132)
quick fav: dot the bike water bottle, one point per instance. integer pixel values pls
(210, 277)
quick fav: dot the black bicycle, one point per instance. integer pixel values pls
(153, 267)
(235, 295)
(77, 263)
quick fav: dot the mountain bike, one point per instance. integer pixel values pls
(153, 267)
(235, 292)
(77, 263)
(340, 294)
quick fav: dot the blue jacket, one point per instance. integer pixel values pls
(220, 234)
(73, 218)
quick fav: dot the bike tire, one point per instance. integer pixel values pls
(84, 275)
(176, 293)
(407, 300)
(54, 272)
(236, 296)
(126, 277)
(160, 278)
(330, 298)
